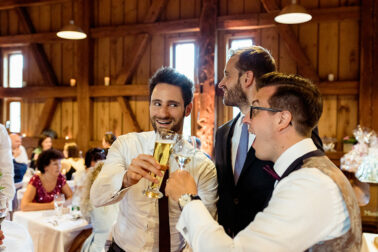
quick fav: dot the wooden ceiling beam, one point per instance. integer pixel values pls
(118, 90)
(8, 4)
(38, 92)
(140, 44)
(37, 50)
(339, 87)
(237, 22)
(291, 42)
(46, 116)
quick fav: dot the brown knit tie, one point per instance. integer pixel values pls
(164, 233)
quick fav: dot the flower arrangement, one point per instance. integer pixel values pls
(350, 140)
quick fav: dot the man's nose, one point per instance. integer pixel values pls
(163, 112)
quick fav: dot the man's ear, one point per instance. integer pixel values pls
(284, 120)
(188, 109)
(249, 77)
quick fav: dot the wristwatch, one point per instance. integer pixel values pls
(186, 198)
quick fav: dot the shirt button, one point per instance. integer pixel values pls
(236, 201)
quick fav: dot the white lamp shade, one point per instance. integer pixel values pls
(71, 31)
(293, 14)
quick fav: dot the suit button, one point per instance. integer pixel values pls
(236, 201)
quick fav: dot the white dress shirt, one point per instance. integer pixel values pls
(23, 157)
(236, 139)
(137, 227)
(6, 164)
(306, 208)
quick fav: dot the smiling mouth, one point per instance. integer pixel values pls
(164, 122)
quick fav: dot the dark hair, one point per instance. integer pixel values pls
(42, 138)
(72, 150)
(172, 77)
(94, 154)
(45, 158)
(298, 96)
(256, 59)
(110, 137)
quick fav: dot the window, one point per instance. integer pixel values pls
(236, 44)
(15, 116)
(13, 62)
(184, 62)
(13, 67)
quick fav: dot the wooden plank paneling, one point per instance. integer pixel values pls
(349, 51)
(347, 109)
(328, 121)
(8, 4)
(235, 7)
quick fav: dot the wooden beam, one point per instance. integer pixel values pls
(339, 88)
(8, 4)
(46, 116)
(237, 22)
(293, 45)
(118, 90)
(368, 101)
(185, 25)
(84, 52)
(205, 104)
(132, 125)
(38, 92)
(37, 50)
(140, 44)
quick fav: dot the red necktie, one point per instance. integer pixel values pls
(164, 232)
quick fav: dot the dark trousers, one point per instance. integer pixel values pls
(115, 248)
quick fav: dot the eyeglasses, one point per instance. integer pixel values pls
(262, 108)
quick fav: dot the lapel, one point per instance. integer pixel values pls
(227, 149)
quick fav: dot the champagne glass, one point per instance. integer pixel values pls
(183, 152)
(3, 212)
(165, 139)
(59, 200)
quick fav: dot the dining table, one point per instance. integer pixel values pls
(51, 232)
(17, 238)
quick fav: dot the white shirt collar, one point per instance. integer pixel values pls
(291, 154)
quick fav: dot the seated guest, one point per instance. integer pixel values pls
(72, 162)
(108, 140)
(312, 207)
(43, 187)
(44, 143)
(101, 218)
(20, 158)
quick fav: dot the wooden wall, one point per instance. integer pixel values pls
(332, 47)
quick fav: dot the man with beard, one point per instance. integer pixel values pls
(243, 184)
(129, 164)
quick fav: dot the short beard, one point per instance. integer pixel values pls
(177, 127)
(235, 96)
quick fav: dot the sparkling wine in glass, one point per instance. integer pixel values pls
(165, 139)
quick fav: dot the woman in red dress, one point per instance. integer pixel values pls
(43, 187)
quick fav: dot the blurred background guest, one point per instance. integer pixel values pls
(73, 161)
(44, 143)
(108, 140)
(20, 157)
(101, 218)
(43, 187)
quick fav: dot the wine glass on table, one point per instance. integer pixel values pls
(59, 200)
(164, 141)
(3, 212)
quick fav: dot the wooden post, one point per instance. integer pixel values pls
(368, 102)
(205, 128)
(84, 53)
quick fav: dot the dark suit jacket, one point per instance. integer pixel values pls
(238, 205)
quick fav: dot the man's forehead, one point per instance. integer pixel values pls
(165, 91)
(231, 62)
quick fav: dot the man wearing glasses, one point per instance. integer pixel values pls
(313, 206)
(243, 185)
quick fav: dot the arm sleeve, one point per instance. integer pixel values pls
(6, 164)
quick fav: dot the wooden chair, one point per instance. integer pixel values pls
(79, 240)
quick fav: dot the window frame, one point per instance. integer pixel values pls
(8, 101)
(171, 41)
(6, 54)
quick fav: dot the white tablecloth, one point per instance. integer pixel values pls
(17, 237)
(368, 242)
(45, 234)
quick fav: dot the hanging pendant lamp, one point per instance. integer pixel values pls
(293, 14)
(71, 31)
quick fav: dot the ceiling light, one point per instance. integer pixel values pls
(293, 14)
(71, 31)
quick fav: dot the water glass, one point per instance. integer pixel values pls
(59, 200)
